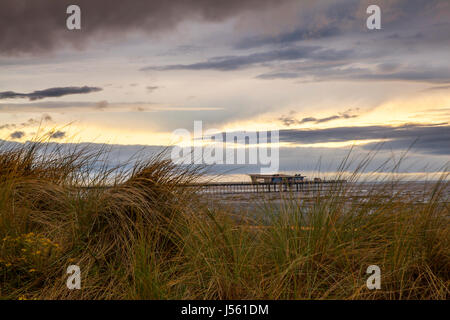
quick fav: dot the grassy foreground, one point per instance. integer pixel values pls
(147, 237)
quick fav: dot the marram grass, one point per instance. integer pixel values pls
(138, 234)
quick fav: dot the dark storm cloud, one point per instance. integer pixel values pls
(48, 93)
(327, 19)
(345, 71)
(435, 144)
(361, 61)
(228, 63)
(278, 75)
(438, 88)
(425, 138)
(290, 119)
(288, 38)
(31, 122)
(152, 88)
(319, 63)
(431, 75)
(428, 139)
(57, 135)
(17, 135)
(29, 26)
(324, 19)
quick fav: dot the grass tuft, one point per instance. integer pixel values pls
(138, 233)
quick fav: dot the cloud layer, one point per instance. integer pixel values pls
(290, 119)
(424, 138)
(433, 139)
(49, 93)
(29, 26)
(17, 135)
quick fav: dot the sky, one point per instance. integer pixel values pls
(138, 70)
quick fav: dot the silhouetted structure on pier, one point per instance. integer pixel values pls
(276, 178)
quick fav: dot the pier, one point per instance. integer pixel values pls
(249, 187)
